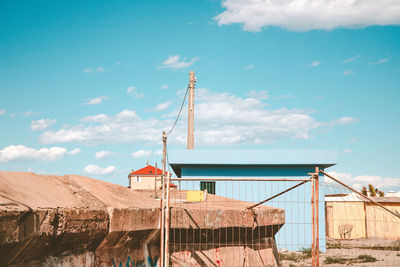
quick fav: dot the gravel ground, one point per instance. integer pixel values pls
(369, 252)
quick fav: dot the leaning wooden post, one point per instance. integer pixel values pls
(317, 215)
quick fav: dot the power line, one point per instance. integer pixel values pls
(180, 110)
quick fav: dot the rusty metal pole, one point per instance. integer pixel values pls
(317, 215)
(190, 137)
(313, 222)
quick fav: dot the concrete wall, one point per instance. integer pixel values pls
(70, 220)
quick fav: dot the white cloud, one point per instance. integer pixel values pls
(141, 153)
(134, 92)
(249, 67)
(363, 180)
(346, 151)
(75, 151)
(30, 113)
(158, 153)
(164, 86)
(352, 59)
(380, 61)
(124, 127)
(304, 15)
(96, 118)
(95, 101)
(163, 106)
(3, 111)
(348, 72)
(117, 63)
(41, 124)
(286, 96)
(103, 154)
(221, 119)
(97, 170)
(175, 62)
(22, 153)
(98, 69)
(344, 121)
(314, 63)
(263, 94)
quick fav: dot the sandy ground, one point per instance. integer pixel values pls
(385, 251)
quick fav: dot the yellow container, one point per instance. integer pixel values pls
(195, 196)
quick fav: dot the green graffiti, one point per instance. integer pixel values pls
(131, 263)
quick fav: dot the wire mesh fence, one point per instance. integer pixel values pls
(222, 230)
(357, 231)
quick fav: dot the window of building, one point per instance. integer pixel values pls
(137, 180)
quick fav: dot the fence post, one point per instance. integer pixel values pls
(313, 221)
(317, 214)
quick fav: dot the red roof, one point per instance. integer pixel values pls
(148, 170)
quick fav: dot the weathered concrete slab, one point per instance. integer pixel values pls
(70, 220)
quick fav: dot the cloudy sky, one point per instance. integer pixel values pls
(87, 87)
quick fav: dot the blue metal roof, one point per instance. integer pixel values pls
(250, 162)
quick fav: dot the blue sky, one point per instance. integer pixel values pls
(81, 77)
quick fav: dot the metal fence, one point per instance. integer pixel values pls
(276, 222)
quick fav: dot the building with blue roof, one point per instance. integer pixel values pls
(248, 163)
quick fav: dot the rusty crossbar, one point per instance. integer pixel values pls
(281, 193)
(355, 191)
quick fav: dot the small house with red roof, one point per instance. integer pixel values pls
(147, 178)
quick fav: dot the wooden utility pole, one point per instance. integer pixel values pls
(163, 200)
(190, 137)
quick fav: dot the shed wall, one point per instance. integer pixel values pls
(346, 220)
(381, 223)
(352, 220)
